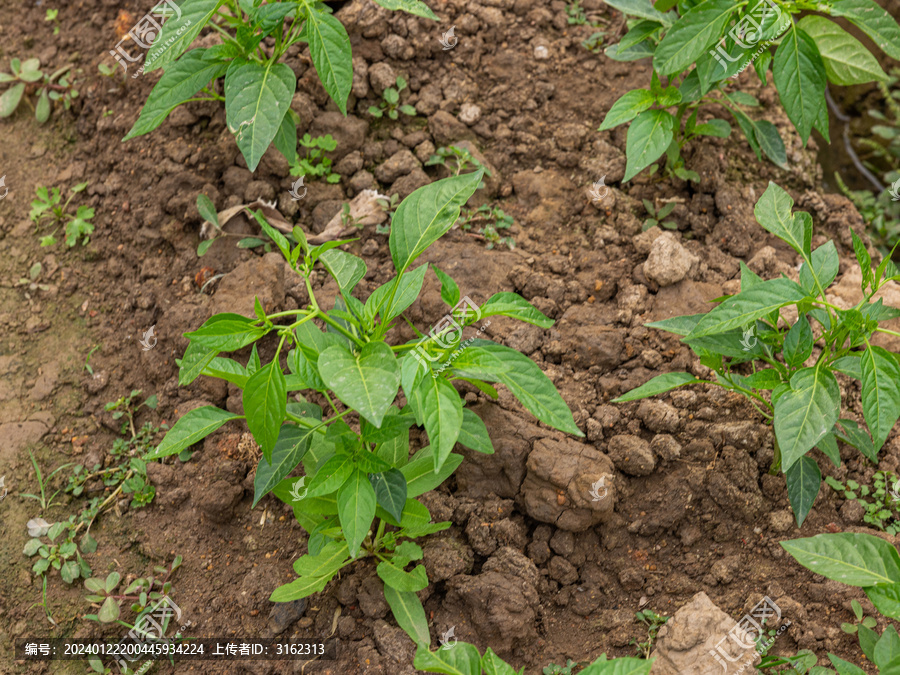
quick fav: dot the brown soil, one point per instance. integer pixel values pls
(692, 507)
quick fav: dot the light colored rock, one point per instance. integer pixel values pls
(631, 454)
(687, 642)
(469, 113)
(669, 262)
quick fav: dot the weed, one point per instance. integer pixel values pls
(55, 86)
(45, 503)
(803, 402)
(87, 359)
(390, 103)
(697, 52)
(141, 592)
(257, 87)
(487, 222)
(48, 205)
(653, 622)
(359, 480)
(554, 669)
(315, 164)
(882, 510)
(594, 42)
(52, 16)
(657, 216)
(456, 160)
(575, 15)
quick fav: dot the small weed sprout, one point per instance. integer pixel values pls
(653, 622)
(882, 511)
(657, 215)
(27, 75)
(390, 103)
(487, 222)
(314, 163)
(52, 16)
(48, 205)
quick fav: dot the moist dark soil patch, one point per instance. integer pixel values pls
(691, 506)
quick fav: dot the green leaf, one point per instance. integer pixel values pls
(828, 446)
(492, 362)
(748, 306)
(873, 21)
(292, 444)
(390, 492)
(257, 96)
(226, 332)
(622, 666)
(441, 407)
(771, 142)
(109, 610)
(642, 50)
(658, 385)
(798, 343)
(864, 260)
(196, 358)
(299, 588)
(402, 580)
(179, 83)
(627, 108)
(800, 79)
(824, 268)
(449, 288)
(395, 451)
(847, 61)
(806, 413)
(329, 47)
(887, 648)
(474, 434)
(773, 212)
(193, 426)
(461, 659)
(421, 476)
(852, 434)
(407, 291)
(643, 9)
(356, 509)
(42, 114)
(204, 204)
(648, 137)
(692, 35)
(747, 126)
(346, 268)
(640, 32)
(853, 559)
(880, 392)
(10, 99)
(265, 401)
(715, 127)
(409, 613)
(416, 7)
(427, 214)
(845, 667)
(179, 32)
(367, 381)
(331, 475)
(226, 369)
(492, 664)
(803, 481)
(849, 365)
(515, 306)
(886, 598)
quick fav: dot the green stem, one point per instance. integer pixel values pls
(889, 332)
(776, 464)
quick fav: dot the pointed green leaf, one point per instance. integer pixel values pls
(329, 47)
(427, 214)
(873, 21)
(409, 613)
(803, 482)
(226, 332)
(460, 659)
(179, 83)
(402, 580)
(367, 381)
(773, 212)
(647, 139)
(804, 415)
(257, 96)
(193, 426)
(346, 268)
(629, 106)
(265, 401)
(421, 476)
(299, 588)
(853, 559)
(292, 444)
(416, 7)
(886, 598)
(515, 306)
(178, 32)
(880, 392)
(800, 79)
(356, 509)
(441, 408)
(474, 434)
(847, 61)
(390, 492)
(692, 35)
(10, 99)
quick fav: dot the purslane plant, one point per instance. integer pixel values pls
(697, 47)
(763, 355)
(258, 88)
(357, 497)
(872, 564)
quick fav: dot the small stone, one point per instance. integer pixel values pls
(669, 262)
(541, 53)
(469, 113)
(631, 455)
